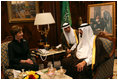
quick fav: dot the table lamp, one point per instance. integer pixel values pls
(44, 19)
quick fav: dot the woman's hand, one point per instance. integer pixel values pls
(22, 61)
(80, 66)
(29, 61)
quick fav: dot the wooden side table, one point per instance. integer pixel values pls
(51, 56)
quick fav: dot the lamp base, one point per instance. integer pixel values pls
(41, 45)
(46, 46)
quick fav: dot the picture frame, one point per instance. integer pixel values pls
(101, 17)
(22, 11)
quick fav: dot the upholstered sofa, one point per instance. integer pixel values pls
(105, 70)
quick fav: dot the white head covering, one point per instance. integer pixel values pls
(84, 49)
(65, 25)
(70, 37)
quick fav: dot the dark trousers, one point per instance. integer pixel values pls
(70, 63)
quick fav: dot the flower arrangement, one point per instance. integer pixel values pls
(31, 75)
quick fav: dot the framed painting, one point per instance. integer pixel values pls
(101, 17)
(21, 11)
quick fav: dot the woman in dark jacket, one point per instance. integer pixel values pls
(18, 51)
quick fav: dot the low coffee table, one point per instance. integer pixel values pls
(44, 75)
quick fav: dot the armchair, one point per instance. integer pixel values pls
(105, 70)
(5, 72)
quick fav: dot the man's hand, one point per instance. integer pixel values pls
(68, 50)
(80, 66)
(68, 55)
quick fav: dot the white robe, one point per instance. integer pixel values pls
(84, 49)
(70, 37)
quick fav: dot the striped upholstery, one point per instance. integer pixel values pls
(4, 60)
(105, 70)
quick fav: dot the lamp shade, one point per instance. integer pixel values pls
(44, 19)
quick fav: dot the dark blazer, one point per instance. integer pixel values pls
(19, 51)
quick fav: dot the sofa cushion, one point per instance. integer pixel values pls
(9, 74)
(107, 44)
(4, 54)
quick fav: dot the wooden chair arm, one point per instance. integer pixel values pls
(114, 46)
(2, 73)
